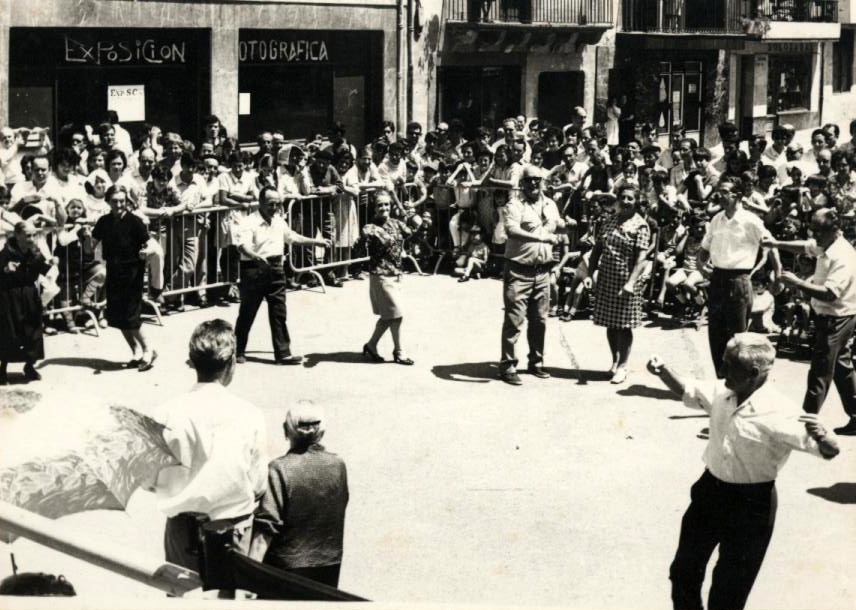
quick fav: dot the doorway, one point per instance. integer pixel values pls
(479, 95)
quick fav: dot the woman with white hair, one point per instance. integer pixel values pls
(300, 521)
(384, 237)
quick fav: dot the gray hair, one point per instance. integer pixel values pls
(752, 349)
(304, 425)
(212, 347)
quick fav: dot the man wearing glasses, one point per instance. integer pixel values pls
(832, 289)
(532, 223)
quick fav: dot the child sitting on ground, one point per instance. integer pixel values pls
(476, 258)
(763, 306)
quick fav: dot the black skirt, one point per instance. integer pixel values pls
(21, 324)
(124, 288)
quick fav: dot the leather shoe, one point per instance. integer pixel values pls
(373, 356)
(539, 372)
(241, 359)
(399, 359)
(30, 373)
(511, 377)
(289, 360)
(847, 430)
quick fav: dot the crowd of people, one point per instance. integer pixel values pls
(573, 218)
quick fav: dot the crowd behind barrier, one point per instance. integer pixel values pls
(458, 188)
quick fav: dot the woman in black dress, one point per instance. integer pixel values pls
(21, 264)
(123, 237)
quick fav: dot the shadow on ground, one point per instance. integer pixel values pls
(311, 360)
(645, 391)
(482, 372)
(98, 365)
(840, 493)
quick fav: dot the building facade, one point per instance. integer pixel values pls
(295, 66)
(298, 65)
(757, 63)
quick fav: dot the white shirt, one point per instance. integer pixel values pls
(733, 243)
(749, 443)
(136, 186)
(50, 189)
(220, 440)
(266, 240)
(69, 189)
(192, 193)
(835, 269)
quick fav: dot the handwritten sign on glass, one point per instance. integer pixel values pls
(129, 101)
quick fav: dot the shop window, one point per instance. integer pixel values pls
(789, 82)
(842, 62)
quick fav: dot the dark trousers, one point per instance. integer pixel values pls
(526, 294)
(263, 284)
(832, 360)
(738, 518)
(729, 308)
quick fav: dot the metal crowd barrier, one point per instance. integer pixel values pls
(337, 217)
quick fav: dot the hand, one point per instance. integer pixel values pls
(655, 365)
(550, 238)
(769, 242)
(587, 283)
(12, 267)
(326, 243)
(628, 289)
(53, 261)
(827, 445)
(788, 277)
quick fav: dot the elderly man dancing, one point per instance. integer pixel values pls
(753, 429)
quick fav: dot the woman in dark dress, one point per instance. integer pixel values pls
(123, 238)
(20, 304)
(384, 237)
(619, 254)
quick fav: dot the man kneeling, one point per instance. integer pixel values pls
(752, 431)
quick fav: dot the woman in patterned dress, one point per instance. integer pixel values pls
(619, 255)
(384, 237)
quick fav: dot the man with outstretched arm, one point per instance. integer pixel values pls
(753, 429)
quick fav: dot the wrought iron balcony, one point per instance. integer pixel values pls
(539, 12)
(822, 11)
(719, 17)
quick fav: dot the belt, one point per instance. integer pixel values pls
(740, 488)
(273, 261)
(523, 268)
(731, 272)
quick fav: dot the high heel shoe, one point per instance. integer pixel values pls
(373, 356)
(396, 356)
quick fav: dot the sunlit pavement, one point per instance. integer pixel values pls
(562, 492)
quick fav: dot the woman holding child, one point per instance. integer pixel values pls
(384, 237)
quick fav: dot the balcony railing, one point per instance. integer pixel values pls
(718, 17)
(824, 11)
(556, 12)
(683, 16)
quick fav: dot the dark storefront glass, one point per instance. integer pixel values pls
(789, 84)
(301, 81)
(64, 75)
(480, 95)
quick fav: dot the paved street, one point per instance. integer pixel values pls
(565, 492)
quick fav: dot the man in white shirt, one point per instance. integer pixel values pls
(261, 239)
(832, 289)
(753, 430)
(42, 191)
(68, 184)
(732, 243)
(221, 442)
(135, 180)
(190, 229)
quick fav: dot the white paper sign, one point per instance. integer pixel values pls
(243, 103)
(129, 101)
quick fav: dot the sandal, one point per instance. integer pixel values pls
(147, 366)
